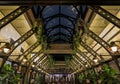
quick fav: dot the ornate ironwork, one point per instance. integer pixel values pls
(42, 61)
(84, 56)
(104, 44)
(90, 50)
(80, 61)
(74, 62)
(107, 15)
(72, 65)
(13, 15)
(25, 54)
(15, 44)
(31, 48)
(36, 55)
(99, 40)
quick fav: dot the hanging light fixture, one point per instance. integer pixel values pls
(95, 59)
(114, 47)
(5, 48)
(33, 65)
(24, 60)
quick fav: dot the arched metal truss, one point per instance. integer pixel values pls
(54, 37)
(13, 15)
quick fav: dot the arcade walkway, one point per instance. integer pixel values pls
(59, 42)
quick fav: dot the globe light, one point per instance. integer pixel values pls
(6, 50)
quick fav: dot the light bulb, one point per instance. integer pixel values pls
(33, 65)
(114, 48)
(6, 50)
(95, 60)
(24, 60)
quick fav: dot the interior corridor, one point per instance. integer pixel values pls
(59, 42)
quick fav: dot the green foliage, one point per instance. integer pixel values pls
(38, 28)
(8, 75)
(51, 60)
(44, 42)
(76, 41)
(108, 75)
(37, 78)
(81, 76)
(68, 57)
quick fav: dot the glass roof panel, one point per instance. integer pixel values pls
(66, 22)
(50, 10)
(54, 31)
(68, 10)
(53, 22)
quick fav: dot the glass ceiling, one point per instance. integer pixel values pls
(59, 21)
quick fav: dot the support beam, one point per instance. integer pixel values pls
(90, 50)
(79, 59)
(15, 44)
(28, 51)
(103, 44)
(47, 65)
(73, 65)
(74, 62)
(13, 15)
(103, 62)
(35, 45)
(90, 62)
(35, 56)
(41, 60)
(69, 65)
(44, 64)
(81, 62)
(107, 15)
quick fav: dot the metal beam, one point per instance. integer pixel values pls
(78, 64)
(80, 61)
(59, 2)
(103, 62)
(74, 62)
(29, 50)
(36, 55)
(43, 64)
(99, 40)
(90, 50)
(36, 44)
(72, 65)
(103, 44)
(47, 65)
(69, 65)
(13, 15)
(85, 57)
(15, 44)
(44, 60)
(107, 15)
